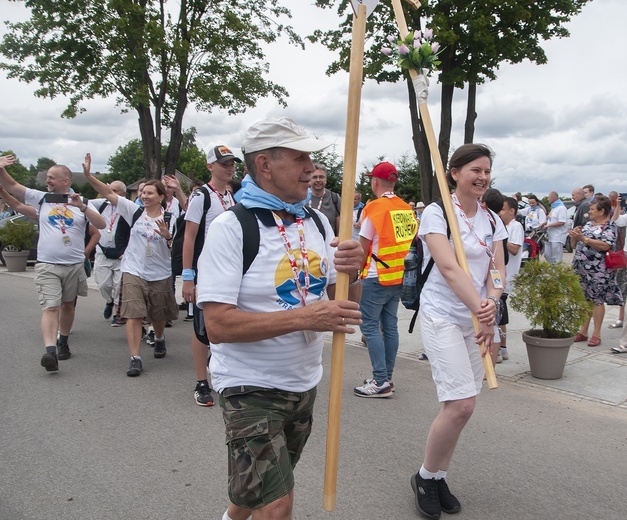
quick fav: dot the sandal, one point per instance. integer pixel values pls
(619, 350)
(423, 356)
(595, 341)
(579, 337)
(618, 324)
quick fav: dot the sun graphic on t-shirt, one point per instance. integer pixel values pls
(284, 277)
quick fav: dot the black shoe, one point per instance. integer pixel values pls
(134, 367)
(202, 394)
(448, 501)
(189, 317)
(427, 500)
(63, 351)
(183, 306)
(160, 348)
(108, 310)
(49, 361)
(168, 324)
(150, 338)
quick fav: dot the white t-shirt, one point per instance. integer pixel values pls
(284, 362)
(147, 254)
(112, 217)
(195, 206)
(621, 221)
(534, 217)
(61, 230)
(517, 237)
(437, 299)
(558, 233)
(368, 231)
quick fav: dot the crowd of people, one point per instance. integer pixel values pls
(259, 317)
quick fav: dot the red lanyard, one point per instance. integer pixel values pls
(60, 209)
(229, 200)
(472, 229)
(303, 291)
(320, 201)
(114, 217)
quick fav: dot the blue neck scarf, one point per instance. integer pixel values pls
(556, 204)
(252, 196)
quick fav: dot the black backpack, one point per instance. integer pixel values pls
(250, 247)
(421, 279)
(179, 236)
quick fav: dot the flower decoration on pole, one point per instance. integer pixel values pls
(416, 51)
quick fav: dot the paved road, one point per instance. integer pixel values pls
(90, 443)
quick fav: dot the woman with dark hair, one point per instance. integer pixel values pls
(447, 302)
(599, 283)
(146, 265)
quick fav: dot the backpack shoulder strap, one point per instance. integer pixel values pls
(316, 218)
(207, 199)
(103, 206)
(250, 234)
(136, 215)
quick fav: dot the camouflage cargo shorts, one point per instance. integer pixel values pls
(266, 431)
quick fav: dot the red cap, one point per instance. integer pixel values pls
(385, 171)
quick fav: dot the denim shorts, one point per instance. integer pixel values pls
(266, 431)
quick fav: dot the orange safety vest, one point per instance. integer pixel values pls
(396, 227)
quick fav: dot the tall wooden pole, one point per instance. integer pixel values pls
(444, 189)
(346, 224)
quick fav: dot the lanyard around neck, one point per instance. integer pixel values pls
(488, 249)
(302, 291)
(226, 204)
(320, 201)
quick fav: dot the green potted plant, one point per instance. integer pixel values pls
(16, 237)
(552, 299)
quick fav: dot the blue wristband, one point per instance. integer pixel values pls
(188, 275)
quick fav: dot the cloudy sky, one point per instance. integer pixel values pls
(552, 127)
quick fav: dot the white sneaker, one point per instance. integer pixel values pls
(503, 353)
(499, 359)
(372, 389)
(618, 324)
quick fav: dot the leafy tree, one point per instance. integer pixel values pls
(155, 56)
(43, 164)
(126, 164)
(477, 36)
(193, 161)
(17, 170)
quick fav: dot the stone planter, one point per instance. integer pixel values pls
(15, 260)
(547, 356)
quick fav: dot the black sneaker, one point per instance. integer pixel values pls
(134, 367)
(202, 394)
(189, 317)
(168, 324)
(150, 338)
(427, 500)
(160, 348)
(49, 362)
(108, 310)
(63, 351)
(448, 501)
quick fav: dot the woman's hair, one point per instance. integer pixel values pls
(160, 187)
(602, 203)
(532, 196)
(464, 155)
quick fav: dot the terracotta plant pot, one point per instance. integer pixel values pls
(547, 356)
(16, 261)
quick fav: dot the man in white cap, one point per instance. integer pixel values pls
(217, 199)
(388, 226)
(266, 324)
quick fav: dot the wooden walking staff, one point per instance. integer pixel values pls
(421, 97)
(362, 9)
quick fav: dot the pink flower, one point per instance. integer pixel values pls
(435, 46)
(428, 33)
(391, 39)
(403, 50)
(417, 35)
(386, 50)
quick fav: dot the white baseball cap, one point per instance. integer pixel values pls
(280, 132)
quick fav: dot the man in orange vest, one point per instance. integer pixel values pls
(388, 226)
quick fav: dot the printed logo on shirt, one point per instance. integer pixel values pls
(61, 217)
(284, 278)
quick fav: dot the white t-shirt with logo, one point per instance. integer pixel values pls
(61, 230)
(147, 254)
(517, 237)
(195, 207)
(284, 362)
(112, 217)
(437, 299)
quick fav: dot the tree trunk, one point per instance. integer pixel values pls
(150, 143)
(446, 122)
(176, 133)
(471, 114)
(428, 186)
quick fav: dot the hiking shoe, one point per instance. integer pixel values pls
(168, 324)
(202, 394)
(448, 501)
(427, 499)
(49, 361)
(370, 380)
(150, 337)
(108, 310)
(160, 348)
(504, 354)
(372, 389)
(499, 359)
(115, 322)
(134, 367)
(63, 351)
(189, 317)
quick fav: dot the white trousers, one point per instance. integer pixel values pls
(108, 276)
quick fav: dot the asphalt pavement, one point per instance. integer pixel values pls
(89, 442)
